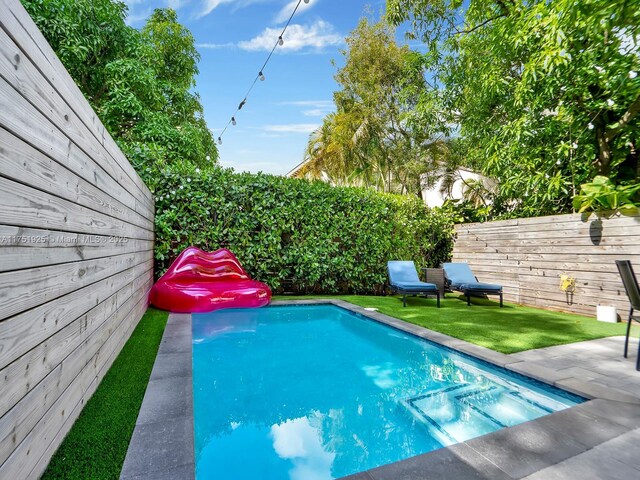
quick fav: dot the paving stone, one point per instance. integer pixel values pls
(165, 399)
(485, 354)
(531, 355)
(183, 472)
(617, 381)
(622, 413)
(579, 373)
(622, 384)
(159, 447)
(593, 389)
(583, 425)
(526, 448)
(539, 372)
(625, 450)
(457, 462)
(357, 476)
(436, 337)
(591, 465)
(176, 344)
(177, 329)
(169, 365)
(565, 362)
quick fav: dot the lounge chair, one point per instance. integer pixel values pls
(460, 277)
(403, 279)
(630, 283)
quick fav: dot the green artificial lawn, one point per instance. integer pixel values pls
(97, 444)
(510, 329)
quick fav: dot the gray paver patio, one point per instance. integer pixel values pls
(612, 460)
(598, 362)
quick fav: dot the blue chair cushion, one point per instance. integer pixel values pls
(415, 286)
(459, 273)
(462, 278)
(486, 287)
(401, 271)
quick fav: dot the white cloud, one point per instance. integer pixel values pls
(209, 6)
(300, 442)
(315, 112)
(176, 4)
(284, 14)
(291, 128)
(215, 45)
(314, 108)
(310, 103)
(318, 35)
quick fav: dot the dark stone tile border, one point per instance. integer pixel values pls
(162, 445)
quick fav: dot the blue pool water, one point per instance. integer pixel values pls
(317, 392)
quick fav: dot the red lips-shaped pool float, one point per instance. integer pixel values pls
(199, 281)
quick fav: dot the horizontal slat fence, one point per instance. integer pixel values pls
(76, 248)
(528, 256)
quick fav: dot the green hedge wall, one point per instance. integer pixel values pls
(295, 235)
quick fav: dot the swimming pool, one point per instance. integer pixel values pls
(319, 392)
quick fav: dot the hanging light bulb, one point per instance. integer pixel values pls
(306, 1)
(242, 104)
(261, 76)
(233, 121)
(219, 140)
(280, 40)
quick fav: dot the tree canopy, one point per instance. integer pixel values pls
(374, 138)
(546, 94)
(139, 82)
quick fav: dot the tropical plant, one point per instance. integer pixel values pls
(373, 139)
(308, 235)
(139, 82)
(603, 195)
(545, 94)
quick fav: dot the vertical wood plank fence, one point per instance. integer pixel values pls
(528, 256)
(76, 248)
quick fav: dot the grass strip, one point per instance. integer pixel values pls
(511, 329)
(96, 446)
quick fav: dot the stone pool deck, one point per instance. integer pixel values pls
(599, 439)
(162, 445)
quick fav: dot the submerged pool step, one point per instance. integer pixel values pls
(464, 411)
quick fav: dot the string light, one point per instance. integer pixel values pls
(260, 76)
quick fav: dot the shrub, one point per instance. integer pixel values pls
(307, 236)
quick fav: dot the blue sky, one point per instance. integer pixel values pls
(234, 38)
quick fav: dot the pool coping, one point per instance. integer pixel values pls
(509, 453)
(162, 444)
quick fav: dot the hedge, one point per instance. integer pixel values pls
(306, 237)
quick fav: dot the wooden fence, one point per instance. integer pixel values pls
(76, 242)
(529, 256)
